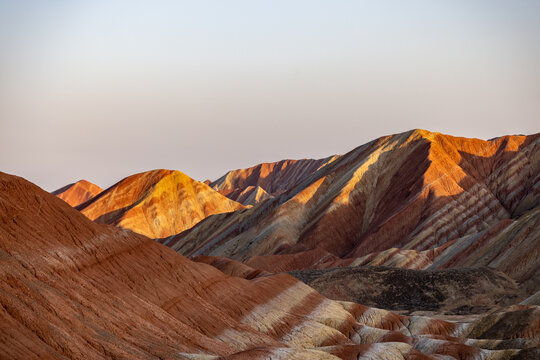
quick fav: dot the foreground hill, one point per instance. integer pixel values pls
(74, 289)
(414, 200)
(77, 193)
(157, 203)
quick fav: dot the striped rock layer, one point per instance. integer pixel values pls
(414, 200)
(157, 203)
(268, 179)
(252, 195)
(74, 289)
(77, 193)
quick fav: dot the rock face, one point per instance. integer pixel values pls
(271, 179)
(75, 289)
(157, 203)
(77, 193)
(413, 200)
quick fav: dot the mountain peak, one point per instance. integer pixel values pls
(77, 193)
(157, 203)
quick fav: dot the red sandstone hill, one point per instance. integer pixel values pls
(415, 200)
(157, 203)
(74, 289)
(77, 193)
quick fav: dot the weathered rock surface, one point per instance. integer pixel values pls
(157, 203)
(75, 289)
(77, 193)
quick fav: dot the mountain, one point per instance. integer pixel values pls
(416, 199)
(157, 203)
(71, 288)
(272, 179)
(77, 193)
(253, 195)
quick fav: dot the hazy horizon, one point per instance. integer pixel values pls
(105, 89)
(113, 181)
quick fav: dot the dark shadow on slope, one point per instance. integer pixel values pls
(380, 236)
(454, 291)
(348, 223)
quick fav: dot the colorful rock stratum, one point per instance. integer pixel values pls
(414, 246)
(157, 203)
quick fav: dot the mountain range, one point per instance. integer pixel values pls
(416, 200)
(416, 245)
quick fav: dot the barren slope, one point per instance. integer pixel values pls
(157, 203)
(77, 193)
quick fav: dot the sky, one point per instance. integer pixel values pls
(103, 89)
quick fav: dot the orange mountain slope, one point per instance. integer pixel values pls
(157, 203)
(74, 289)
(77, 193)
(415, 191)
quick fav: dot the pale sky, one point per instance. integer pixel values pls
(104, 89)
